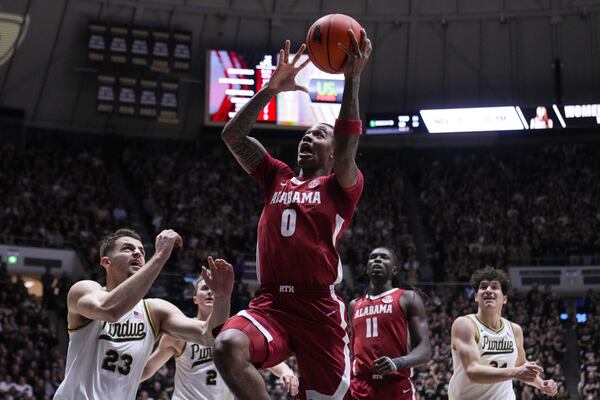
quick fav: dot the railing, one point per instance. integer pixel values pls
(36, 242)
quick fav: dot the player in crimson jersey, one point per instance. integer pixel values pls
(304, 216)
(390, 334)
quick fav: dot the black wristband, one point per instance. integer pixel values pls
(400, 362)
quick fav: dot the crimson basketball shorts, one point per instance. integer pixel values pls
(309, 323)
(397, 389)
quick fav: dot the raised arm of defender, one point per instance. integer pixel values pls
(88, 300)
(247, 150)
(170, 319)
(345, 143)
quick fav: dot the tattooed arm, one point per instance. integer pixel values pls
(247, 150)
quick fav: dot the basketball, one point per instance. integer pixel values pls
(322, 41)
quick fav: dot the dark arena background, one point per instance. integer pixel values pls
(481, 146)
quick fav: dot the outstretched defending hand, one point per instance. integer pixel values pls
(219, 277)
(549, 387)
(165, 241)
(290, 383)
(284, 77)
(358, 54)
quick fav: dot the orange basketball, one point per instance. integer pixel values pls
(322, 39)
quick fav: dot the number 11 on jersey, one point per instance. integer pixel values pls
(371, 327)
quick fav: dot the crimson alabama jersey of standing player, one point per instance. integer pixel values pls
(390, 334)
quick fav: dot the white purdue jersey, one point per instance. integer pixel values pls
(106, 360)
(497, 349)
(196, 376)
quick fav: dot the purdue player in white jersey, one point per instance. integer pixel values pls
(112, 331)
(487, 350)
(196, 377)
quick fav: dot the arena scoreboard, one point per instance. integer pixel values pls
(533, 119)
(234, 77)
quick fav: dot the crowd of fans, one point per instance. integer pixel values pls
(524, 206)
(31, 362)
(55, 194)
(588, 341)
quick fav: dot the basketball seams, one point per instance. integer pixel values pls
(311, 50)
(327, 41)
(324, 52)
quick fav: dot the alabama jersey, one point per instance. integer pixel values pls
(379, 328)
(196, 376)
(497, 348)
(105, 360)
(300, 225)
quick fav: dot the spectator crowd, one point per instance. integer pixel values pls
(524, 206)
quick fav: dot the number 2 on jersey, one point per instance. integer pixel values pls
(211, 377)
(288, 222)
(371, 327)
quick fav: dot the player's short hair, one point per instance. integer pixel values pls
(329, 126)
(108, 243)
(197, 283)
(491, 274)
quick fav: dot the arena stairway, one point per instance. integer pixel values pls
(571, 362)
(417, 229)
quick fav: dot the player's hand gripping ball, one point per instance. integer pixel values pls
(322, 41)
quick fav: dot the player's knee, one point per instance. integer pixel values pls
(230, 346)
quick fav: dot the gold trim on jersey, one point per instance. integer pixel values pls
(182, 350)
(489, 327)
(69, 329)
(147, 309)
(477, 337)
(512, 328)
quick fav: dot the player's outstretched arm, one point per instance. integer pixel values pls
(167, 348)
(247, 150)
(89, 300)
(419, 337)
(220, 279)
(170, 319)
(463, 341)
(288, 379)
(346, 139)
(549, 386)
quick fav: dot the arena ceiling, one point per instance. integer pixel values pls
(428, 53)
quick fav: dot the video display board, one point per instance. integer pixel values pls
(234, 77)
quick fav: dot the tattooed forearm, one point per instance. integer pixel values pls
(244, 120)
(248, 152)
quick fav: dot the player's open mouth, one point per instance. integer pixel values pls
(305, 149)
